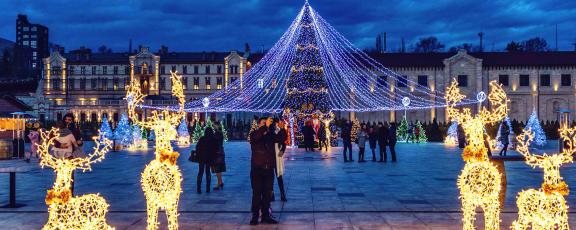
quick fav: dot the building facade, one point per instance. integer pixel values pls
(93, 84)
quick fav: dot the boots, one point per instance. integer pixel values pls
(254, 220)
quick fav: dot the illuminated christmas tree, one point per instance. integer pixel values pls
(224, 131)
(402, 131)
(183, 134)
(123, 133)
(105, 130)
(354, 131)
(422, 135)
(198, 132)
(152, 136)
(452, 134)
(253, 128)
(534, 125)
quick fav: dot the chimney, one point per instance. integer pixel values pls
(384, 43)
(481, 35)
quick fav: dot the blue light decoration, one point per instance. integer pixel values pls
(312, 71)
(123, 133)
(105, 130)
(534, 126)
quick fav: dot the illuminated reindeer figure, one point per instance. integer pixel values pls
(479, 182)
(546, 207)
(161, 178)
(64, 211)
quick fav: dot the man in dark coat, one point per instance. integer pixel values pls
(347, 140)
(262, 171)
(392, 140)
(308, 133)
(322, 138)
(382, 141)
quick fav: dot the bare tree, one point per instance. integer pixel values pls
(428, 45)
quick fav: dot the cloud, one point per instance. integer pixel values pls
(226, 25)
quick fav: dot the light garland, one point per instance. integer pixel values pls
(64, 211)
(545, 208)
(355, 82)
(161, 179)
(183, 134)
(479, 182)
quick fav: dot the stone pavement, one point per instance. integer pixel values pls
(417, 192)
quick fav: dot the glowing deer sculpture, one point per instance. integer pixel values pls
(546, 207)
(161, 179)
(479, 181)
(64, 211)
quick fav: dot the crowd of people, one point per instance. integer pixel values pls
(382, 136)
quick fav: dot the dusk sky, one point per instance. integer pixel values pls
(224, 25)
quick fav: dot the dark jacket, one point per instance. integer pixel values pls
(281, 137)
(322, 133)
(308, 133)
(382, 136)
(206, 149)
(262, 145)
(372, 138)
(346, 133)
(392, 135)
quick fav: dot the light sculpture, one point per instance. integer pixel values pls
(546, 207)
(452, 134)
(161, 179)
(533, 124)
(183, 134)
(64, 210)
(479, 182)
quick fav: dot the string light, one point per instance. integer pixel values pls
(479, 182)
(78, 212)
(183, 134)
(546, 207)
(161, 179)
(354, 81)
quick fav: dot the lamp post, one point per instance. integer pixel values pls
(406, 103)
(206, 103)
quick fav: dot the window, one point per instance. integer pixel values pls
(127, 70)
(260, 83)
(462, 80)
(163, 70)
(274, 84)
(524, 80)
(219, 69)
(33, 44)
(208, 83)
(56, 84)
(207, 69)
(83, 70)
(545, 80)
(93, 70)
(383, 81)
(25, 28)
(195, 69)
(71, 70)
(219, 83)
(104, 84)
(115, 70)
(402, 81)
(173, 68)
(162, 83)
(93, 83)
(503, 79)
(116, 83)
(185, 69)
(566, 80)
(104, 69)
(83, 84)
(71, 83)
(423, 80)
(185, 82)
(233, 79)
(34, 28)
(196, 83)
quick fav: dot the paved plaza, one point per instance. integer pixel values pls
(417, 192)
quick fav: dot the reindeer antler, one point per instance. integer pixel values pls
(178, 92)
(101, 146)
(134, 98)
(453, 97)
(568, 135)
(47, 139)
(524, 140)
(499, 102)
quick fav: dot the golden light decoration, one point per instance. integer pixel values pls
(64, 211)
(354, 131)
(546, 207)
(161, 179)
(479, 182)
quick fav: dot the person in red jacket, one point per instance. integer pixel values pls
(263, 163)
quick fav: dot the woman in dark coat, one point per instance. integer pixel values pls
(206, 147)
(322, 139)
(392, 140)
(372, 139)
(308, 133)
(219, 164)
(504, 133)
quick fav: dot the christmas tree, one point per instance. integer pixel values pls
(253, 128)
(183, 134)
(402, 131)
(452, 134)
(422, 135)
(354, 131)
(123, 133)
(105, 129)
(498, 139)
(137, 141)
(152, 136)
(208, 124)
(534, 125)
(198, 132)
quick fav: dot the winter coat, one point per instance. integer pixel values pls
(322, 134)
(263, 152)
(206, 149)
(346, 133)
(362, 137)
(373, 138)
(308, 133)
(382, 137)
(392, 135)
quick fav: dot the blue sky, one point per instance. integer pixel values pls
(223, 25)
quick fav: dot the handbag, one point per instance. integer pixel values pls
(194, 156)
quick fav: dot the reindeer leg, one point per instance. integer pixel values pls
(172, 216)
(468, 214)
(492, 215)
(152, 216)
